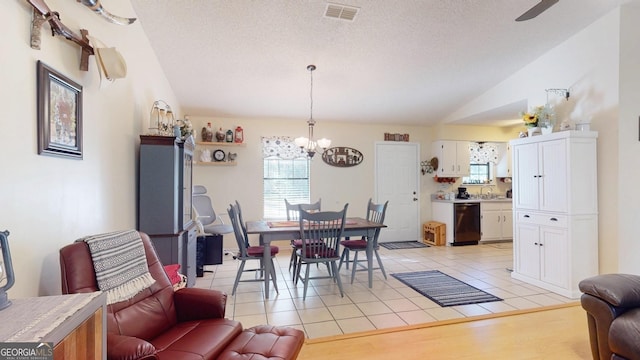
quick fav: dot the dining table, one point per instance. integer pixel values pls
(290, 230)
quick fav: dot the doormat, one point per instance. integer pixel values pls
(444, 289)
(395, 245)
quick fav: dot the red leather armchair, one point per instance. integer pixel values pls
(159, 323)
(612, 303)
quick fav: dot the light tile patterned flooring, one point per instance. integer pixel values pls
(388, 304)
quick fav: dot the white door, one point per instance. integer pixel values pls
(396, 180)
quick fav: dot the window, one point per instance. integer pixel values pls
(285, 176)
(479, 174)
(482, 157)
(284, 179)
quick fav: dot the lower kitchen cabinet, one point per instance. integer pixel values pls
(542, 253)
(543, 246)
(497, 220)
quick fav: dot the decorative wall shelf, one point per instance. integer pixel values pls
(221, 143)
(217, 163)
(223, 159)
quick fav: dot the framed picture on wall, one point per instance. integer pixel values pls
(59, 114)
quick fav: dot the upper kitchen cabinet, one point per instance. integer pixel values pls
(503, 167)
(453, 158)
(556, 172)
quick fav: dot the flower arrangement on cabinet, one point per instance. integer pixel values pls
(186, 128)
(541, 115)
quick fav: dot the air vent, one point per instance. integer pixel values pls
(341, 12)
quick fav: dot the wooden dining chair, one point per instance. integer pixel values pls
(327, 228)
(246, 253)
(375, 213)
(293, 214)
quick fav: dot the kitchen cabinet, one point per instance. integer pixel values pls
(543, 251)
(165, 200)
(503, 168)
(453, 158)
(555, 206)
(442, 211)
(497, 220)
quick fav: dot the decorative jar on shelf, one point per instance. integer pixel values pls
(220, 135)
(207, 133)
(229, 136)
(531, 130)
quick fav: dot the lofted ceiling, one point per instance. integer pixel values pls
(402, 61)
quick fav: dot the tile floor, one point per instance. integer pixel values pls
(388, 304)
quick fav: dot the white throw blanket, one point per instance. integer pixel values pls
(120, 264)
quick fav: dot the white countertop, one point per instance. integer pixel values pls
(472, 200)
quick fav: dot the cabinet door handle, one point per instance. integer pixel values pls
(504, 218)
(526, 216)
(535, 243)
(553, 219)
(498, 218)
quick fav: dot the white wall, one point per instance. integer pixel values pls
(48, 202)
(588, 64)
(628, 144)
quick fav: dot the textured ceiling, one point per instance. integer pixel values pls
(404, 61)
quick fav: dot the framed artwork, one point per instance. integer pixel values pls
(59, 114)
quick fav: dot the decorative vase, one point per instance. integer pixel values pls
(532, 130)
(546, 130)
(220, 135)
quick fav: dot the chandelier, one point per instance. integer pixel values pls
(309, 144)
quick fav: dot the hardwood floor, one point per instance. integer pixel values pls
(555, 332)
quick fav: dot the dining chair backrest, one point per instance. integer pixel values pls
(240, 235)
(326, 227)
(243, 225)
(376, 214)
(293, 210)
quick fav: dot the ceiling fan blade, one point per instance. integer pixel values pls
(536, 10)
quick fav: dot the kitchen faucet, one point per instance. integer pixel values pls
(490, 188)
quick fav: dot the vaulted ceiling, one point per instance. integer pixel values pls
(404, 61)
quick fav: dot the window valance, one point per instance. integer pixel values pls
(484, 153)
(282, 147)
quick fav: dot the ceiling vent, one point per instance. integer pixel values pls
(341, 12)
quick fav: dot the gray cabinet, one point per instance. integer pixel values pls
(165, 200)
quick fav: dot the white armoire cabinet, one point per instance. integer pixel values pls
(555, 207)
(453, 158)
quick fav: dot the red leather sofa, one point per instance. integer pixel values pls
(160, 323)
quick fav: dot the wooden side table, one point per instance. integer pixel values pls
(75, 324)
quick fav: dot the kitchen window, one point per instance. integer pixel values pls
(482, 157)
(479, 174)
